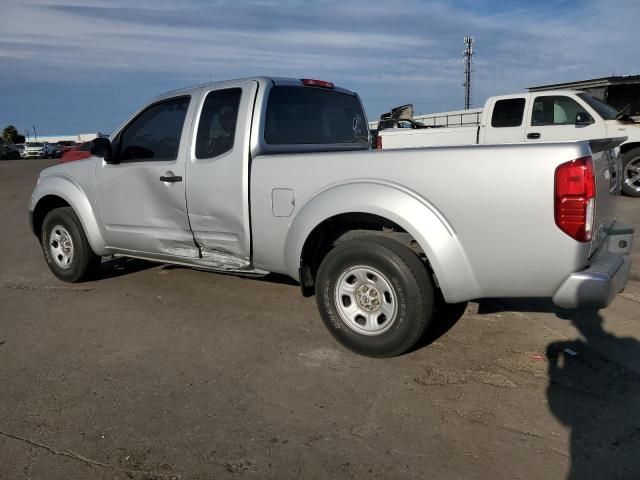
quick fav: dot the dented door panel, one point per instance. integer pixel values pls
(218, 187)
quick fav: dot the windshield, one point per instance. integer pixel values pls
(34, 144)
(605, 110)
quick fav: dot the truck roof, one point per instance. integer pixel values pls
(260, 79)
(541, 93)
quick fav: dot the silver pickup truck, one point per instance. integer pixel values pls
(275, 175)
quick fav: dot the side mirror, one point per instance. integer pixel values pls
(583, 118)
(101, 147)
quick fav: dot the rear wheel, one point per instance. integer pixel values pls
(631, 172)
(66, 248)
(375, 296)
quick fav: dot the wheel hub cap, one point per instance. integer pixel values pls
(365, 300)
(368, 298)
(61, 247)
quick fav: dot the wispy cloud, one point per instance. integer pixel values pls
(85, 64)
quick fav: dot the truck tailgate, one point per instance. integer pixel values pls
(607, 170)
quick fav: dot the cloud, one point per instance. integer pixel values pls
(61, 53)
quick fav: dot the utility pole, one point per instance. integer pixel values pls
(35, 135)
(468, 59)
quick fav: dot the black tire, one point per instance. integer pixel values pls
(83, 263)
(631, 159)
(402, 273)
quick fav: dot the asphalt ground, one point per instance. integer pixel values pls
(157, 372)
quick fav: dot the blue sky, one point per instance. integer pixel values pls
(71, 66)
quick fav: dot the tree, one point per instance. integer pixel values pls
(10, 134)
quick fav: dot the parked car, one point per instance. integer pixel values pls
(276, 175)
(38, 150)
(66, 145)
(20, 148)
(56, 151)
(556, 115)
(79, 152)
(9, 152)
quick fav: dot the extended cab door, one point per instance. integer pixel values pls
(554, 117)
(141, 199)
(218, 174)
(503, 121)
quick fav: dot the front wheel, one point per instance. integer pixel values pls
(631, 172)
(375, 296)
(66, 248)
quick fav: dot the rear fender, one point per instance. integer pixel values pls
(418, 217)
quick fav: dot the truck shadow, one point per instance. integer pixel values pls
(119, 266)
(597, 399)
(445, 317)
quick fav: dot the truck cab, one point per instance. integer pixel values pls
(548, 116)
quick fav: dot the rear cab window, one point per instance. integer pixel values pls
(508, 113)
(312, 116)
(217, 125)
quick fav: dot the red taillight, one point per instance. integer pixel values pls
(309, 82)
(379, 142)
(575, 193)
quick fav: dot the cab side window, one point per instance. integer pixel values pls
(217, 126)
(555, 110)
(508, 113)
(155, 133)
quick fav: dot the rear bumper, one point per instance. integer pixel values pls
(605, 276)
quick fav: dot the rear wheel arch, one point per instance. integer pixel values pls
(412, 213)
(631, 169)
(344, 227)
(625, 147)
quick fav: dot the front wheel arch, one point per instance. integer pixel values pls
(60, 190)
(66, 248)
(42, 208)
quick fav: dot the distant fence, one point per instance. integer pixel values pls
(460, 118)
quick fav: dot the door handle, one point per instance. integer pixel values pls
(533, 136)
(171, 179)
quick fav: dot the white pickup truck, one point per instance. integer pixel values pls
(560, 115)
(276, 175)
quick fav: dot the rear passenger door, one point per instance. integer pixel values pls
(218, 174)
(553, 118)
(506, 122)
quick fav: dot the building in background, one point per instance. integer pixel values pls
(78, 138)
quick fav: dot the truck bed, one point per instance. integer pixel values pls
(438, 136)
